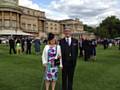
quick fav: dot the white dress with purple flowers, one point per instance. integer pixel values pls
(48, 57)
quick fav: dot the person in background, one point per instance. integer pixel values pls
(87, 49)
(0, 41)
(12, 45)
(81, 47)
(45, 41)
(23, 44)
(51, 52)
(105, 43)
(69, 48)
(93, 46)
(29, 44)
(37, 45)
(18, 46)
(119, 44)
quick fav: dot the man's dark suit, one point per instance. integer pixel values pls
(69, 58)
(12, 46)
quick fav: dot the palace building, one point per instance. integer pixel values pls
(15, 19)
(19, 20)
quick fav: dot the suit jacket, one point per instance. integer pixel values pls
(86, 45)
(69, 53)
(12, 43)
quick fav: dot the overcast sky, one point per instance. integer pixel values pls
(90, 12)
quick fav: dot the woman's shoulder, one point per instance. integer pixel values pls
(58, 46)
(46, 46)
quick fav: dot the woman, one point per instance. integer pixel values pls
(18, 46)
(37, 45)
(51, 52)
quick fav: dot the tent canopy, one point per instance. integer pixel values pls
(117, 38)
(13, 32)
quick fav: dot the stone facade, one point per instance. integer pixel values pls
(52, 26)
(18, 18)
(32, 21)
(14, 18)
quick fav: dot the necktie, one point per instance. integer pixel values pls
(68, 41)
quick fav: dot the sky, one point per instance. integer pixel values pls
(90, 12)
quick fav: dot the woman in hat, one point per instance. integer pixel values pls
(51, 52)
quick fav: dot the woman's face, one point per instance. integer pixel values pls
(53, 41)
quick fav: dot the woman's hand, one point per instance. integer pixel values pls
(59, 57)
(61, 67)
(45, 65)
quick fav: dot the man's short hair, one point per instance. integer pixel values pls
(67, 28)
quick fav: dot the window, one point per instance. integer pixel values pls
(29, 26)
(34, 13)
(51, 24)
(55, 29)
(0, 22)
(23, 25)
(55, 24)
(46, 23)
(0, 15)
(25, 11)
(7, 23)
(34, 27)
(28, 12)
(14, 24)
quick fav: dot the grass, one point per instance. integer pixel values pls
(24, 72)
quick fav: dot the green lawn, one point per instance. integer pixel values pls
(24, 72)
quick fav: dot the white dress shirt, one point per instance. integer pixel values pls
(68, 40)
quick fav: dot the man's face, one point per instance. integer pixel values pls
(67, 33)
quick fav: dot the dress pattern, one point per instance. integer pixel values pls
(51, 72)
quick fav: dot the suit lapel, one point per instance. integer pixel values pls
(71, 42)
(66, 44)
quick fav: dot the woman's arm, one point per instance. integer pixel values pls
(59, 55)
(44, 56)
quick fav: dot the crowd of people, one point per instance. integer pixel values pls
(108, 43)
(87, 49)
(23, 45)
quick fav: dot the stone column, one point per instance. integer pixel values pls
(44, 25)
(3, 20)
(18, 21)
(10, 20)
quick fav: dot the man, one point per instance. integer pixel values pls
(81, 47)
(23, 44)
(12, 45)
(87, 49)
(93, 46)
(69, 49)
(119, 44)
(29, 44)
(37, 45)
(105, 43)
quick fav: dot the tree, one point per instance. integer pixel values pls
(88, 28)
(110, 27)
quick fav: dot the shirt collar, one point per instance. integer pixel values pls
(68, 38)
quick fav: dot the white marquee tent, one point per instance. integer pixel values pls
(13, 32)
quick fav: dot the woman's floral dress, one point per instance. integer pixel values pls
(51, 72)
